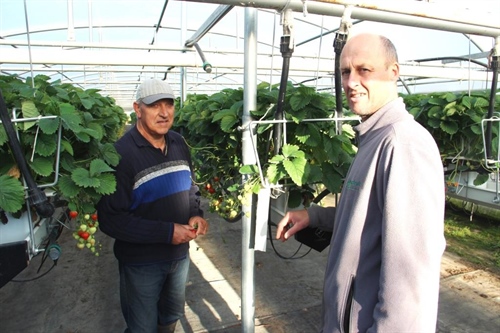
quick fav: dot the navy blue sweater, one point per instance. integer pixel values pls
(153, 192)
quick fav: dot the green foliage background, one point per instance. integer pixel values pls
(90, 122)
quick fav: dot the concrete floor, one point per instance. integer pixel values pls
(80, 294)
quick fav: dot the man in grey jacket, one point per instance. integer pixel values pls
(383, 267)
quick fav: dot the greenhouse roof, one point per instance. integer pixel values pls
(200, 46)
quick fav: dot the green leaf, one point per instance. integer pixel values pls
(297, 169)
(315, 174)
(29, 110)
(87, 103)
(11, 194)
(84, 137)
(292, 151)
(331, 179)
(46, 145)
(223, 113)
(450, 112)
(107, 184)
(62, 94)
(480, 179)
(82, 178)
(42, 166)
(435, 112)
(91, 133)
(466, 101)
(276, 159)
(98, 166)
(332, 149)
(227, 123)
(298, 102)
(275, 173)
(49, 126)
(476, 129)
(109, 153)
(70, 117)
(481, 102)
(436, 101)
(449, 127)
(450, 97)
(249, 169)
(68, 187)
(294, 199)
(67, 147)
(3, 136)
(97, 129)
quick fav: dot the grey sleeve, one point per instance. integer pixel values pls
(321, 217)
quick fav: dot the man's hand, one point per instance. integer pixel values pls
(292, 222)
(183, 233)
(199, 225)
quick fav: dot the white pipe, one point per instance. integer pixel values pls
(485, 25)
(71, 26)
(248, 218)
(441, 11)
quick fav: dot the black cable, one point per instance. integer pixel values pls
(38, 277)
(282, 256)
(316, 200)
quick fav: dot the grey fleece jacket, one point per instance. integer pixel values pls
(384, 263)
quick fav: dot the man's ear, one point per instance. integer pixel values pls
(394, 70)
(137, 109)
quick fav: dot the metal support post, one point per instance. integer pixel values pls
(248, 219)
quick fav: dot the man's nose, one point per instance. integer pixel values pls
(163, 110)
(352, 80)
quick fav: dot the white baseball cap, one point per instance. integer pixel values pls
(153, 90)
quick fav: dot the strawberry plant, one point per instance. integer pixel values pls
(314, 152)
(90, 124)
(454, 120)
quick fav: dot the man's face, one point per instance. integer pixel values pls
(155, 120)
(369, 82)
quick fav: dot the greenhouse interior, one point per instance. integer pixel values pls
(204, 47)
(199, 46)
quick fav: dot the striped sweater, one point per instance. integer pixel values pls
(153, 192)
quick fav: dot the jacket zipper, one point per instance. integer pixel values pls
(346, 320)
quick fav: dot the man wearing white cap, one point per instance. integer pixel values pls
(153, 214)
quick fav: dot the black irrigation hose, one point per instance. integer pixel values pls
(36, 196)
(286, 53)
(38, 277)
(491, 107)
(338, 45)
